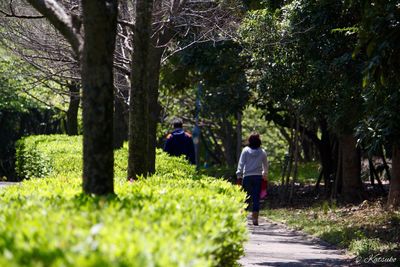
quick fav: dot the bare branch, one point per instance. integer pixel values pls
(126, 23)
(12, 13)
(64, 22)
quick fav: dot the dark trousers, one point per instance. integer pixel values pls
(252, 186)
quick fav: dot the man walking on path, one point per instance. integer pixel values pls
(180, 142)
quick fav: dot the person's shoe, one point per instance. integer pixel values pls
(255, 218)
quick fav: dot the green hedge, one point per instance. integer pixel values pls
(174, 218)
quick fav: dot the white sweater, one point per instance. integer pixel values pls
(252, 162)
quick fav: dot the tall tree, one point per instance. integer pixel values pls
(378, 45)
(139, 109)
(174, 23)
(94, 45)
(301, 64)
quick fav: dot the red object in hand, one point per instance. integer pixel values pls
(264, 185)
(239, 181)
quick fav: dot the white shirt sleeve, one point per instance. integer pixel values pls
(242, 159)
(265, 164)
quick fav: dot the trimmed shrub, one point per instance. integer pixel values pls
(49, 155)
(174, 218)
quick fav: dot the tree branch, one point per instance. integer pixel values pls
(61, 20)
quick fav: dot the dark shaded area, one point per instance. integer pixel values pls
(16, 124)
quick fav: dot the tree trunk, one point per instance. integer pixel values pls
(228, 142)
(326, 156)
(120, 121)
(238, 135)
(121, 111)
(394, 191)
(73, 107)
(140, 83)
(339, 175)
(351, 168)
(100, 22)
(154, 105)
(121, 98)
(297, 141)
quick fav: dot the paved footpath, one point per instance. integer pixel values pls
(272, 244)
(4, 184)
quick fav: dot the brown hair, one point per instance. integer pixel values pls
(254, 141)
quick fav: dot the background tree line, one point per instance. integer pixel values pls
(324, 73)
(328, 70)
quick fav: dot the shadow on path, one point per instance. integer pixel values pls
(271, 244)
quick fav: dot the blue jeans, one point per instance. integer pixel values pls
(252, 186)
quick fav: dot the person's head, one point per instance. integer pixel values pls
(254, 141)
(177, 123)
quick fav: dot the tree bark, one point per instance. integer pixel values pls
(121, 105)
(95, 51)
(394, 190)
(100, 22)
(120, 121)
(228, 142)
(339, 175)
(326, 156)
(351, 169)
(138, 108)
(297, 141)
(238, 135)
(72, 112)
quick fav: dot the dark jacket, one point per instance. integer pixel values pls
(180, 143)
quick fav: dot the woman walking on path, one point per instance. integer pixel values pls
(253, 168)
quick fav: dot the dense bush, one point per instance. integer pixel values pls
(174, 218)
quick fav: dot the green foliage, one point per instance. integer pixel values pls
(221, 72)
(378, 35)
(21, 113)
(307, 172)
(43, 155)
(198, 81)
(366, 246)
(12, 97)
(300, 64)
(174, 218)
(30, 163)
(272, 140)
